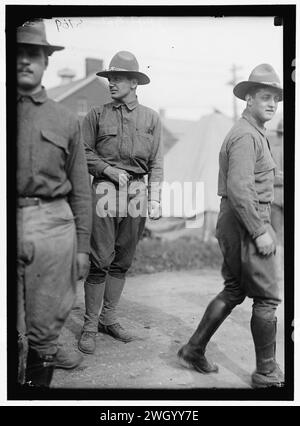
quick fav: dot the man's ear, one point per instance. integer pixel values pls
(134, 83)
(248, 99)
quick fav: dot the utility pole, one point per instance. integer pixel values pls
(232, 83)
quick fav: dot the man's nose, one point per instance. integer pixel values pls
(272, 102)
(23, 58)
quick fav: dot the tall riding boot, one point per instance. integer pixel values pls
(267, 371)
(39, 369)
(93, 294)
(192, 354)
(108, 322)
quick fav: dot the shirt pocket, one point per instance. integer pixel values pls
(107, 140)
(265, 163)
(52, 154)
(143, 144)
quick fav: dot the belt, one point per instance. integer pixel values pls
(264, 202)
(135, 177)
(259, 202)
(33, 201)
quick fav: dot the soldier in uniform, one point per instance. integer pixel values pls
(123, 146)
(244, 232)
(53, 216)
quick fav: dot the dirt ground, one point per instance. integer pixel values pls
(164, 310)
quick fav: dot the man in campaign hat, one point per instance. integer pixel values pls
(53, 216)
(123, 146)
(244, 232)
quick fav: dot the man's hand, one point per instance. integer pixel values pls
(154, 210)
(116, 175)
(83, 265)
(265, 244)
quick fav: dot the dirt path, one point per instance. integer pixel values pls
(164, 309)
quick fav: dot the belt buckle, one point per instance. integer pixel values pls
(37, 200)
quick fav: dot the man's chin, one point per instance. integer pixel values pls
(269, 117)
(24, 84)
(114, 96)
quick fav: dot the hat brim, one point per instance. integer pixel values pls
(141, 77)
(49, 47)
(242, 88)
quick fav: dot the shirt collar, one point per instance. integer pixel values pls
(130, 105)
(38, 98)
(247, 116)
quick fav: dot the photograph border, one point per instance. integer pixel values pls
(283, 15)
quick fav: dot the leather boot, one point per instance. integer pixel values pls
(67, 359)
(192, 354)
(112, 294)
(108, 322)
(267, 371)
(39, 370)
(93, 294)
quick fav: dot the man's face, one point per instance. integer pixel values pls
(31, 64)
(121, 87)
(263, 105)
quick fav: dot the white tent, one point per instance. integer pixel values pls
(195, 158)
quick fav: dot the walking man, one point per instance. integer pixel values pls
(244, 232)
(53, 216)
(123, 146)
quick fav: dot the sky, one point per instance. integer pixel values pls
(188, 59)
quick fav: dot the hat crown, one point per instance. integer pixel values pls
(125, 61)
(264, 73)
(32, 32)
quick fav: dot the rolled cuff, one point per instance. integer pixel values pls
(83, 243)
(101, 166)
(154, 191)
(261, 230)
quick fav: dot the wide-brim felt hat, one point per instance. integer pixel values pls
(33, 32)
(125, 63)
(263, 76)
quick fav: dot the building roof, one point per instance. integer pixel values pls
(62, 91)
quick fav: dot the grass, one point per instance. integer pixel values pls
(155, 255)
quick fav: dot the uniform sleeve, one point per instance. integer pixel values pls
(80, 195)
(241, 191)
(278, 178)
(89, 133)
(155, 175)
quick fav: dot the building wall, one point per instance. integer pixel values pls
(84, 99)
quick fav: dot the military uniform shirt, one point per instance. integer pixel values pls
(246, 172)
(127, 136)
(51, 160)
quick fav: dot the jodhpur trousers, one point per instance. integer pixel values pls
(118, 222)
(46, 272)
(245, 271)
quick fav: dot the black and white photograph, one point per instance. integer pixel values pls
(150, 211)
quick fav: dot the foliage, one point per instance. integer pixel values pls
(156, 255)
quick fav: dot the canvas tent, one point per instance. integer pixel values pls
(194, 158)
